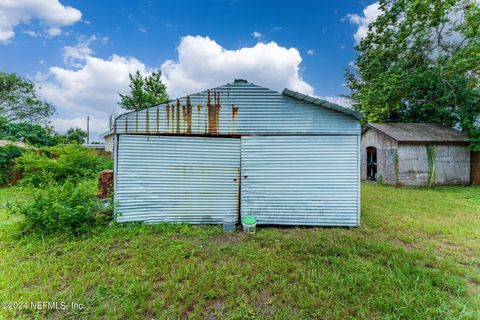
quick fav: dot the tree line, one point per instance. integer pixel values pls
(24, 115)
(419, 62)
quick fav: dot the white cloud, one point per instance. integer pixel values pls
(31, 33)
(75, 55)
(142, 28)
(370, 14)
(310, 52)
(91, 89)
(51, 13)
(89, 85)
(54, 31)
(203, 63)
(256, 34)
(342, 101)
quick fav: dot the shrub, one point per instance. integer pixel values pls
(65, 208)
(8, 154)
(61, 163)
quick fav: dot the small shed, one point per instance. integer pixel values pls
(239, 149)
(415, 154)
(108, 136)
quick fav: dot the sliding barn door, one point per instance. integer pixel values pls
(177, 179)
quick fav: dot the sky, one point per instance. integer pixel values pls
(80, 52)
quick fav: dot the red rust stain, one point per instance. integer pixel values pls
(136, 122)
(234, 112)
(172, 120)
(188, 116)
(184, 117)
(167, 118)
(177, 115)
(147, 121)
(158, 119)
(199, 115)
(213, 113)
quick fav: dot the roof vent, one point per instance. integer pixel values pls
(240, 81)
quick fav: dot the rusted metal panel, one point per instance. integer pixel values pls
(241, 108)
(177, 179)
(301, 180)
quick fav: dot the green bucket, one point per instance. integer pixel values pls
(249, 224)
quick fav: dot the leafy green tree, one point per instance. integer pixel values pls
(75, 135)
(19, 100)
(29, 133)
(145, 92)
(420, 63)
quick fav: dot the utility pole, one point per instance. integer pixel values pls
(88, 130)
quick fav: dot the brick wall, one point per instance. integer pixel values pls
(105, 183)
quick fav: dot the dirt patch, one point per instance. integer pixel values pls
(158, 283)
(264, 302)
(118, 245)
(214, 309)
(228, 238)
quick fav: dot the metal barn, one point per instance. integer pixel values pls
(288, 159)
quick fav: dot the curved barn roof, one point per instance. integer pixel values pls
(241, 108)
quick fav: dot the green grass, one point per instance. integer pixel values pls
(415, 256)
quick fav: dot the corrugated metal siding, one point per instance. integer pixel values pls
(177, 179)
(238, 108)
(301, 180)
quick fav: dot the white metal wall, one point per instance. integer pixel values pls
(177, 179)
(301, 180)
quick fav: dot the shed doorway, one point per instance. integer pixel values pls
(372, 163)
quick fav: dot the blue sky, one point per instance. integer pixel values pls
(80, 52)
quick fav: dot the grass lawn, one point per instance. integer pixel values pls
(415, 256)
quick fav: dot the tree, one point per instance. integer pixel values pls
(419, 63)
(19, 100)
(30, 133)
(145, 92)
(75, 135)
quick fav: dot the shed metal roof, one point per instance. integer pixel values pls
(420, 132)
